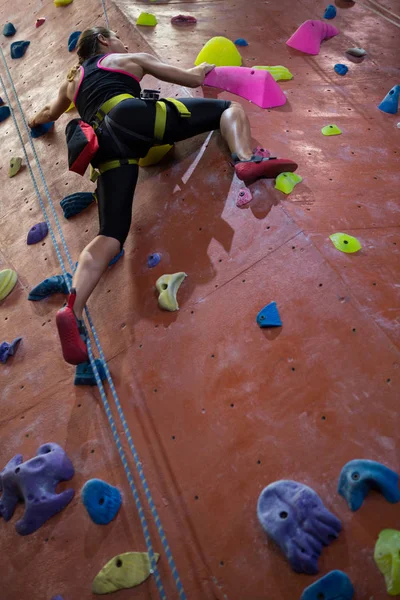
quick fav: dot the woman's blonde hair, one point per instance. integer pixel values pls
(87, 46)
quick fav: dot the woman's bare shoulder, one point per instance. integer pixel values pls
(123, 62)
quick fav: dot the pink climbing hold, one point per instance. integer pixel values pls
(183, 19)
(40, 21)
(309, 36)
(255, 85)
(244, 197)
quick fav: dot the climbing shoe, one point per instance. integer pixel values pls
(261, 165)
(72, 333)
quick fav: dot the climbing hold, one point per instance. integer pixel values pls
(62, 2)
(76, 203)
(356, 52)
(35, 481)
(1, 101)
(4, 113)
(309, 36)
(122, 572)
(9, 30)
(336, 585)
(37, 233)
(73, 40)
(18, 49)
(269, 316)
(285, 182)
(387, 559)
(146, 19)
(84, 373)
(241, 42)
(244, 197)
(221, 52)
(57, 598)
(7, 350)
(153, 260)
(70, 107)
(331, 130)
(183, 19)
(50, 286)
(340, 69)
(101, 500)
(278, 72)
(39, 130)
(258, 86)
(294, 516)
(40, 21)
(116, 258)
(167, 287)
(330, 12)
(8, 279)
(360, 476)
(155, 155)
(15, 166)
(390, 103)
(345, 243)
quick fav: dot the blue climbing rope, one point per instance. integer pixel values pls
(105, 402)
(105, 13)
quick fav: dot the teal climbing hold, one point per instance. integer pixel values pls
(4, 113)
(269, 316)
(73, 40)
(18, 49)
(9, 30)
(1, 101)
(76, 203)
(101, 500)
(39, 130)
(50, 286)
(84, 373)
(390, 103)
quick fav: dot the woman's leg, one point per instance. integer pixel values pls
(235, 129)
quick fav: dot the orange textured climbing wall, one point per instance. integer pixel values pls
(217, 407)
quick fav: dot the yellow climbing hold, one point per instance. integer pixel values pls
(387, 559)
(221, 52)
(71, 107)
(123, 571)
(154, 155)
(146, 19)
(285, 182)
(331, 130)
(15, 166)
(168, 286)
(279, 73)
(62, 2)
(8, 279)
(345, 243)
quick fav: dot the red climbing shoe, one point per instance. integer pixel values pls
(258, 167)
(72, 333)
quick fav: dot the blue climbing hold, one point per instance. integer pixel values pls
(76, 203)
(9, 30)
(50, 286)
(359, 476)
(101, 500)
(84, 373)
(39, 130)
(269, 316)
(116, 258)
(341, 69)
(7, 350)
(330, 12)
(4, 113)
(241, 42)
(153, 260)
(390, 103)
(73, 40)
(336, 585)
(18, 49)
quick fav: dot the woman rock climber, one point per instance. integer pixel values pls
(126, 129)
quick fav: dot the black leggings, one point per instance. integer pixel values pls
(116, 187)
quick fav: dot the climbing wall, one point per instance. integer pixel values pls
(217, 407)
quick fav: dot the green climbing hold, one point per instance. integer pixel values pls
(331, 130)
(345, 243)
(15, 166)
(387, 559)
(221, 52)
(279, 73)
(62, 2)
(8, 279)
(146, 19)
(285, 182)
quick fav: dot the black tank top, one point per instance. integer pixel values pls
(98, 84)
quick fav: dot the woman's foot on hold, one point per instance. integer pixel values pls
(72, 333)
(261, 164)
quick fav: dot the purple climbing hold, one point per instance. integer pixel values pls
(4, 113)
(73, 40)
(37, 233)
(294, 516)
(35, 481)
(57, 598)
(7, 350)
(39, 130)
(18, 49)
(153, 260)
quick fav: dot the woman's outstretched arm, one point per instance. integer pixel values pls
(151, 65)
(53, 111)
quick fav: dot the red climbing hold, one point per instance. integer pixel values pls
(40, 21)
(244, 197)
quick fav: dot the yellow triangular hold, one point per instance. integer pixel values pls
(345, 243)
(62, 2)
(146, 19)
(8, 279)
(123, 571)
(279, 73)
(154, 155)
(221, 52)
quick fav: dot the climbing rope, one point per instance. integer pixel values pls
(105, 402)
(105, 13)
